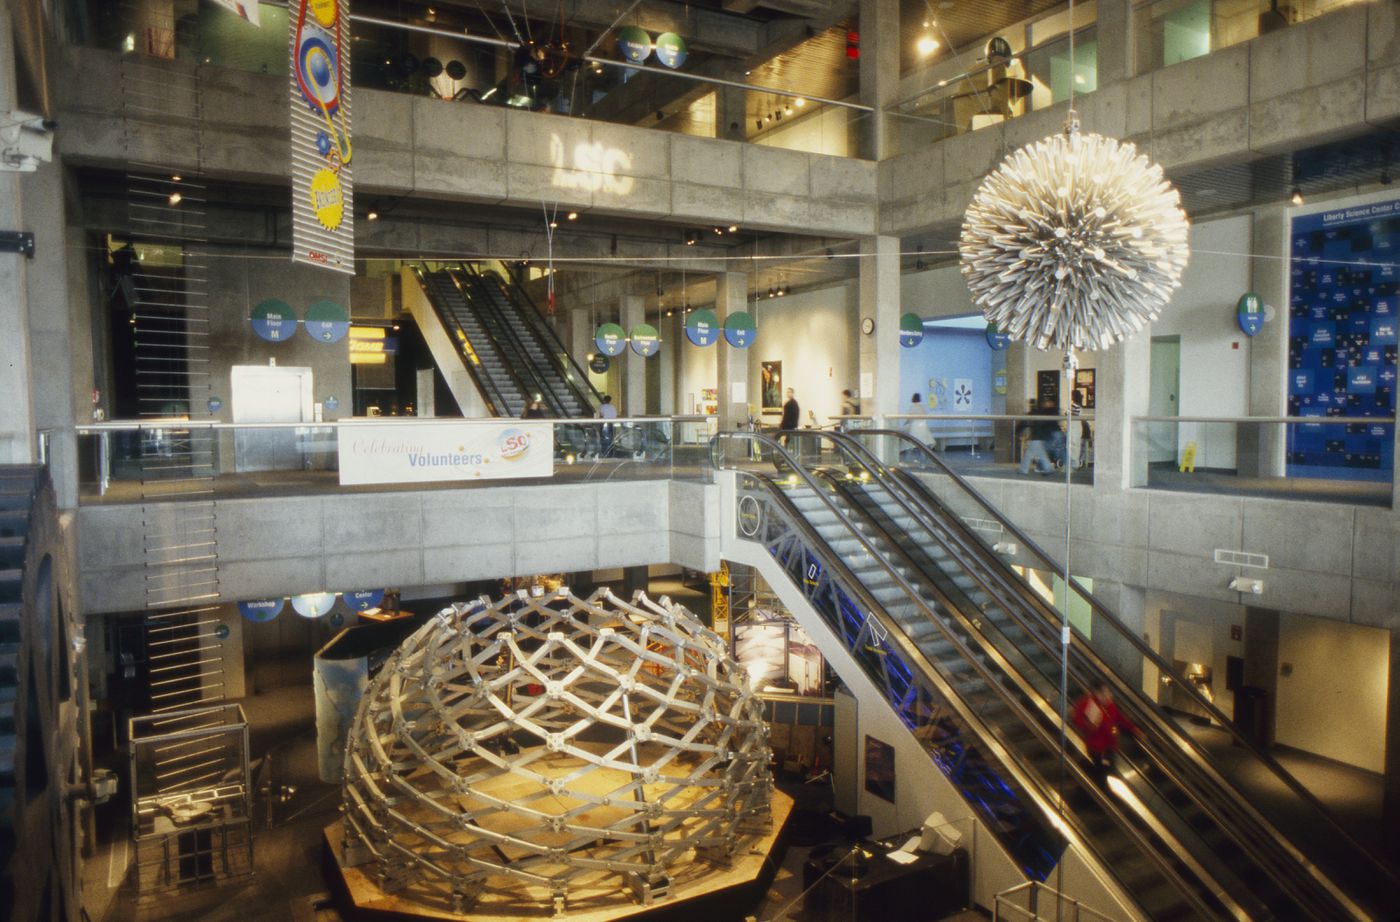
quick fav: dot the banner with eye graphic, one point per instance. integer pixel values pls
(323, 225)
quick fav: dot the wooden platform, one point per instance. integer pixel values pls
(698, 889)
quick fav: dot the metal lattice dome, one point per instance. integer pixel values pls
(543, 742)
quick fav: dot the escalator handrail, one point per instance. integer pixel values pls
(489, 390)
(588, 395)
(1282, 775)
(1028, 779)
(1262, 839)
(518, 366)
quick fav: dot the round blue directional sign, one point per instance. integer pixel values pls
(611, 339)
(997, 339)
(326, 322)
(599, 364)
(911, 330)
(261, 610)
(646, 342)
(740, 330)
(313, 604)
(1250, 313)
(365, 599)
(274, 320)
(671, 50)
(702, 328)
(634, 44)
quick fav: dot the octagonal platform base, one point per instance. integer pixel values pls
(698, 890)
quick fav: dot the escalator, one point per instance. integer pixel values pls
(564, 387)
(969, 655)
(472, 344)
(510, 352)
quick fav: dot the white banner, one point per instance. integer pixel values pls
(429, 452)
(248, 9)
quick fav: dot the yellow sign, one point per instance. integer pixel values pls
(325, 11)
(1188, 458)
(327, 198)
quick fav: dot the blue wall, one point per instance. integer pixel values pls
(948, 354)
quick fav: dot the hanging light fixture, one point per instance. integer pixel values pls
(1075, 241)
(1297, 196)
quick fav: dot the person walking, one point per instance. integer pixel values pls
(1100, 722)
(533, 410)
(849, 407)
(791, 414)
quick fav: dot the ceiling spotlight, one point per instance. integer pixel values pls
(788, 110)
(771, 292)
(734, 228)
(719, 231)
(1297, 196)
(801, 102)
(175, 177)
(553, 224)
(175, 198)
(669, 312)
(691, 238)
(926, 45)
(573, 216)
(396, 326)
(372, 216)
(747, 72)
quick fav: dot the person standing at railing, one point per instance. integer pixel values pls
(606, 410)
(918, 426)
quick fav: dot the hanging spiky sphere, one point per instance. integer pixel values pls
(1074, 241)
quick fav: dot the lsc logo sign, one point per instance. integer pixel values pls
(515, 443)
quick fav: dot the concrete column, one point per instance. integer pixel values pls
(730, 112)
(879, 70)
(670, 330)
(632, 310)
(17, 440)
(1116, 41)
(732, 365)
(879, 301)
(580, 336)
(1122, 391)
(1390, 803)
(1261, 448)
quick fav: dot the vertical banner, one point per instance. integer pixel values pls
(323, 224)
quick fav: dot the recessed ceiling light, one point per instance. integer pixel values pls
(927, 45)
(573, 216)
(372, 216)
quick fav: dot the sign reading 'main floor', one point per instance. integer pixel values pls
(429, 452)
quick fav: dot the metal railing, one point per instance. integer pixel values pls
(1061, 908)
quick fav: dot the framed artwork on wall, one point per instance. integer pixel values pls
(771, 386)
(879, 768)
(1084, 387)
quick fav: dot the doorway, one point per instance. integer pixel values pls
(1164, 387)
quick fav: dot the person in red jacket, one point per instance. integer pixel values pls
(1099, 722)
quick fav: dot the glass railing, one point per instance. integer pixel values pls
(999, 444)
(1325, 459)
(1037, 79)
(439, 62)
(1168, 32)
(128, 461)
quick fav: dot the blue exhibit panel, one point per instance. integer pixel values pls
(1342, 307)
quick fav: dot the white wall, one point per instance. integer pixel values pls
(813, 334)
(696, 369)
(1214, 351)
(1334, 702)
